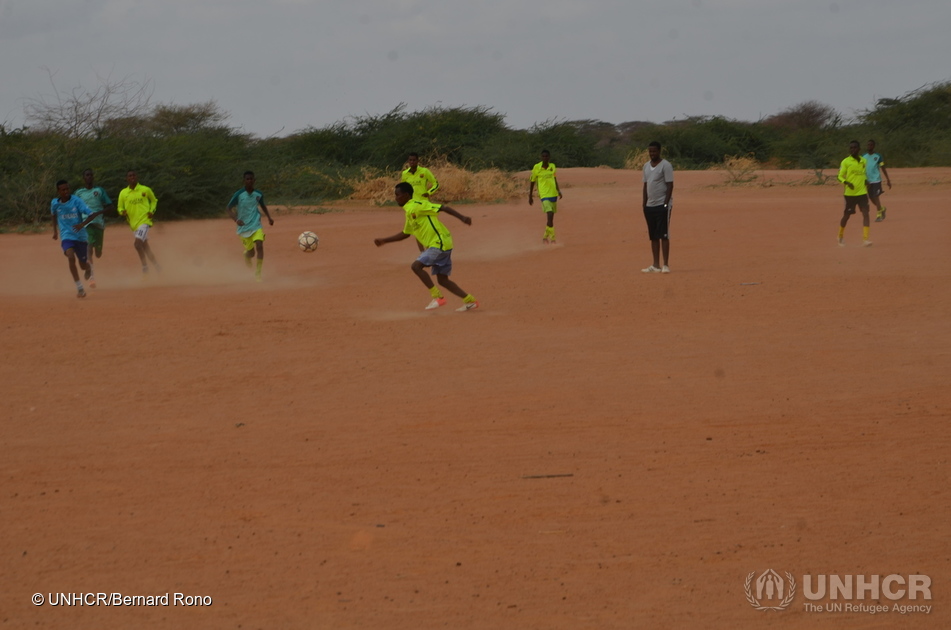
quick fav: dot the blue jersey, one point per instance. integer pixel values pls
(873, 162)
(69, 214)
(247, 210)
(97, 199)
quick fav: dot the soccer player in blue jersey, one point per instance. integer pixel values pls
(874, 169)
(244, 211)
(99, 202)
(68, 212)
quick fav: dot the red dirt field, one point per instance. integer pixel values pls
(593, 448)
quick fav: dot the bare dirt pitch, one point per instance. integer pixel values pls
(593, 448)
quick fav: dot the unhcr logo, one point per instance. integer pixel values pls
(871, 594)
(772, 592)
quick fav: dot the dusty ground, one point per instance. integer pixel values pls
(593, 448)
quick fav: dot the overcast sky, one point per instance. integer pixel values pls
(279, 66)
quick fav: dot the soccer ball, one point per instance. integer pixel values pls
(307, 241)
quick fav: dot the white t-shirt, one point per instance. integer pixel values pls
(657, 178)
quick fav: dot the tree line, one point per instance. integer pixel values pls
(193, 158)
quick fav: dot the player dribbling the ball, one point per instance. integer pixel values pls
(243, 210)
(422, 222)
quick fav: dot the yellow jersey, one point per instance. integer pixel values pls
(137, 205)
(423, 182)
(853, 170)
(422, 222)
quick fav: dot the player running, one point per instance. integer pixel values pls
(68, 212)
(99, 202)
(422, 222)
(247, 201)
(137, 203)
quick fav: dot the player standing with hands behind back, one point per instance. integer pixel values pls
(137, 203)
(658, 188)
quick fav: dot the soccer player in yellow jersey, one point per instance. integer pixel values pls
(543, 174)
(422, 222)
(852, 173)
(420, 178)
(137, 203)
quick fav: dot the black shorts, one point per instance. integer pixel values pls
(875, 190)
(856, 200)
(658, 221)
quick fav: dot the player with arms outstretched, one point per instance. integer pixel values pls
(421, 221)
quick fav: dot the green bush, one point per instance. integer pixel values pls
(194, 160)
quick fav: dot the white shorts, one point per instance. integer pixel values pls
(142, 233)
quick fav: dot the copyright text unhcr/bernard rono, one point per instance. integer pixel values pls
(119, 600)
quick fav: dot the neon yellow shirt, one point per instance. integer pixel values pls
(545, 178)
(853, 170)
(422, 181)
(137, 205)
(422, 222)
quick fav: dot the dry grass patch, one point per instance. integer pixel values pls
(455, 184)
(636, 160)
(740, 169)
